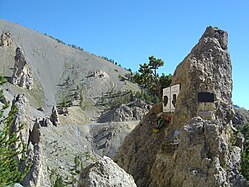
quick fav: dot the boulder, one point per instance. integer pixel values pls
(105, 173)
(22, 75)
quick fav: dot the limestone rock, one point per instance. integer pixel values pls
(107, 138)
(202, 158)
(22, 75)
(6, 39)
(105, 173)
(30, 137)
(21, 118)
(190, 151)
(54, 116)
(139, 150)
(35, 133)
(45, 122)
(207, 68)
(241, 116)
(127, 112)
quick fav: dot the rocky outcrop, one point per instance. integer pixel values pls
(241, 116)
(54, 118)
(204, 156)
(139, 151)
(107, 138)
(127, 112)
(207, 68)
(105, 173)
(22, 75)
(191, 150)
(30, 138)
(6, 39)
(21, 103)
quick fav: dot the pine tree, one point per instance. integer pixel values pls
(10, 147)
(245, 154)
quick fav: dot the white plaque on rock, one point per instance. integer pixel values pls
(174, 94)
(166, 99)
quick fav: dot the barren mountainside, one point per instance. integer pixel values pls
(60, 71)
(79, 122)
(60, 93)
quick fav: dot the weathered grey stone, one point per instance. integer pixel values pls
(107, 138)
(22, 75)
(203, 158)
(190, 151)
(127, 112)
(35, 133)
(6, 39)
(30, 138)
(54, 118)
(21, 118)
(45, 122)
(241, 116)
(206, 69)
(140, 148)
(105, 173)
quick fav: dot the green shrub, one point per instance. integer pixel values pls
(11, 146)
(245, 154)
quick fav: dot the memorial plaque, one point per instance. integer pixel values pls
(166, 99)
(174, 94)
(205, 97)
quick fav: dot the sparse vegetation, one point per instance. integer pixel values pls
(245, 154)
(11, 146)
(148, 78)
(115, 98)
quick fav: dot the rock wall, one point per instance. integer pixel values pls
(190, 151)
(203, 156)
(140, 148)
(22, 75)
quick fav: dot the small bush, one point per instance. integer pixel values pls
(245, 154)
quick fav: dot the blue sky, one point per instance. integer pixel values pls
(129, 31)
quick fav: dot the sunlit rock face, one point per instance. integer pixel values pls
(207, 69)
(22, 75)
(6, 39)
(195, 149)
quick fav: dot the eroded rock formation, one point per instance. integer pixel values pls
(6, 39)
(22, 75)
(30, 138)
(54, 118)
(127, 112)
(207, 68)
(104, 173)
(241, 116)
(190, 151)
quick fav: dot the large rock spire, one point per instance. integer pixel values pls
(195, 149)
